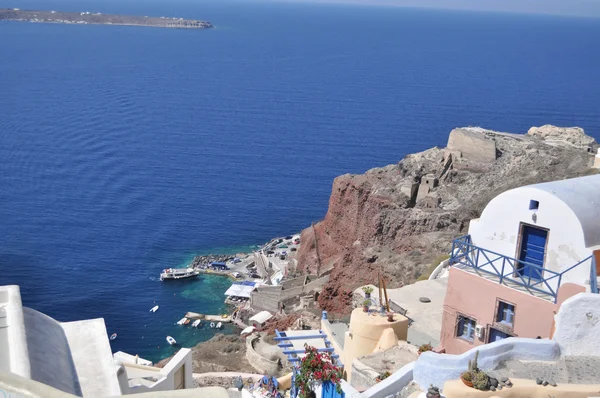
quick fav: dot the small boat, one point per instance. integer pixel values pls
(113, 336)
(178, 273)
(171, 340)
(182, 321)
(154, 309)
(196, 323)
(219, 325)
(212, 325)
(186, 321)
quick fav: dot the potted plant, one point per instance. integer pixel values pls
(466, 378)
(316, 368)
(366, 305)
(475, 377)
(367, 290)
(390, 317)
(382, 376)
(425, 347)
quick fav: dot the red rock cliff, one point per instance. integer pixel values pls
(395, 220)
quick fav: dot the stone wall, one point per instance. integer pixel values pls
(269, 298)
(261, 364)
(472, 144)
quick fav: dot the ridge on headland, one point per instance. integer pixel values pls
(86, 17)
(396, 219)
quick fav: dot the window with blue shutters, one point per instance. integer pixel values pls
(465, 328)
(505, 313)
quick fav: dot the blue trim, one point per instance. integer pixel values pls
(467, 254)
(303, 351)
(308, 336)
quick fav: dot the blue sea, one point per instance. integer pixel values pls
(126, 150)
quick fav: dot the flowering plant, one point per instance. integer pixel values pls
(315, 368)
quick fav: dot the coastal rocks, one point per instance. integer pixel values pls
(574, 136)
(375, 225)
(222, 353)
(209, 258)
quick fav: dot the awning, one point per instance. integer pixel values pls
(248, 330)
(238, 290)
(261, 317)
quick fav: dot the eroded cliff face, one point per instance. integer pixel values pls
(396, 219)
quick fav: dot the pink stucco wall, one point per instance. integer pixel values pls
(476, 297)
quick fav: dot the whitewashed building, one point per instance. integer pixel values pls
(532, 248)
(47, 358)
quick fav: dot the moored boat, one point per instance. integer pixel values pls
(178, 273)
(212, 325)
(182, 321)
(113, 336)
(219, 325)
(171, 340)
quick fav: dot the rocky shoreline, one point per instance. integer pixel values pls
(209, 258)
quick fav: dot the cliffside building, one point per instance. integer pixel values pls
(532, 248)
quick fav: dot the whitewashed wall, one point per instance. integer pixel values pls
(498, 230)
(578, 325)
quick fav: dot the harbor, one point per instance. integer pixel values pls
(271, 264)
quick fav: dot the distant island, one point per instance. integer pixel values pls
(15, 14)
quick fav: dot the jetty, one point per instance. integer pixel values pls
(96, 18)
(211, 318)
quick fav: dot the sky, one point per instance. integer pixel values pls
(586, 8)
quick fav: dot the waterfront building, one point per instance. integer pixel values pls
(532, 248)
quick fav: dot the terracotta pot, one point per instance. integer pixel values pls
(467, 383)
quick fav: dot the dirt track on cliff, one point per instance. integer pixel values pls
(372, 226)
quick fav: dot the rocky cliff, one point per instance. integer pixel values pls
(397, 219)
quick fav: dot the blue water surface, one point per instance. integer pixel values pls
(126, 150)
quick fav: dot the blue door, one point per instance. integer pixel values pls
(496, 335)
(329, 391)
(533, 246)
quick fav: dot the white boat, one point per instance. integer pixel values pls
(113, 336)
(219, 325)
(182, 321)
(171, 340)
(178, 273)
(196, 323)
(154, 309)
(212, 325)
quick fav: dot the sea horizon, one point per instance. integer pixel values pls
(127, 150)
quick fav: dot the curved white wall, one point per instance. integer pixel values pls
(49, 353)
(437, 369)
(578, 325)
(498, 230)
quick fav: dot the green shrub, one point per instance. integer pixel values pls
(425, 275)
